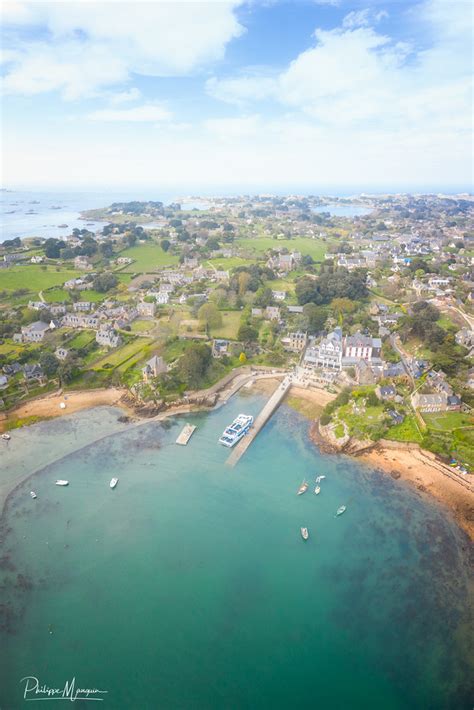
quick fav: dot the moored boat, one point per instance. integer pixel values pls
(61, 482)
(317, 490)
(33, 494)
(113, 482)
(304, 533)
(239, 427)
(341, 510)
(303, 488)
(6, 437)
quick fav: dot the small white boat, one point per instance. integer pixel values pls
(317, 490)
(60, 482)
(304, 533)
(33, 494)
(303, 488)
(341, 510)
(113, 482)
(6, 437)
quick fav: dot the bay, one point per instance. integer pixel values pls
(189, 586)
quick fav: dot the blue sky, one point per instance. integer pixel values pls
(318, 96)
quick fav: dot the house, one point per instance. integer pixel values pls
(57, 309)
(327, 354)
(386, 392)
(82, 263)
(35, 332)
(121, 260)
(162, 298)
(362, 347)
(279, 295)
(154, 367)
(396, 416)
(146, 309)
(430, 402)
(78, 320)
(37, 259)
(81, 306)
(453, 403)
(295, 309)
(77, 284)
(295, 342)
(394, 370)
(272, 312)
(257, 313)
(107, 337)
(37, 305)
(33, 372)
(3, 382)
(61, 353)
(465, 337)
(220, 348)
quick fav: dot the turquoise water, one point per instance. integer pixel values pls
(189, 585)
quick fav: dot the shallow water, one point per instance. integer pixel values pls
(189, 586)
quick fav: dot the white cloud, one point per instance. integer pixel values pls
(139, 114)
(363, 18)
(153, 38)
(122, 97)
(242, 89)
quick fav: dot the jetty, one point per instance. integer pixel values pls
(273, 403)
(186, 434)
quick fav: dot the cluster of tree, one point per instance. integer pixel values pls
(194, 364)
(254, 278)
(12, 243)
(104, 282)
(341, 399)
(135, 207)
(330, 284)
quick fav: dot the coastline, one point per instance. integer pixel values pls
(410, 465)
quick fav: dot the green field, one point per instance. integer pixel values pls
(447, 421)
(406, 431)
(230, 325)
(316, 248)
(123, 353)
(56, 295)
(223, 264)
(81, 340)
(147, 258)
(33, 277)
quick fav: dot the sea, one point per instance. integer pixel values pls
(44, 214)
(189, 585)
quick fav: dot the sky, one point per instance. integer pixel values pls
(328, 96)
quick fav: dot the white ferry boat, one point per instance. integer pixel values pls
(113, 482)
(60, 482)
(239, 427)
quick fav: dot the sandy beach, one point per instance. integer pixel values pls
(49, 406)
(415, 467)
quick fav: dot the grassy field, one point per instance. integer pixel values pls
(81, 340)
(230, 325)
(447, 421)
(230, 263)
(316, 248)
(33, 277)
(147, 258)
(117, 357)
(56, 295)
(406, 431)
(141, 326)
(362, 424)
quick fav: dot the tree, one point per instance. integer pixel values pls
(52, 248)
(49, 363)
(210, 315)
(165, 244)
(106, 250)
(314, 318)
(243, 281)
(131, 239)
(194, 363)
(247, 333)
(343, 305)
(264, 297)
(104, 282)
(242, 358)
